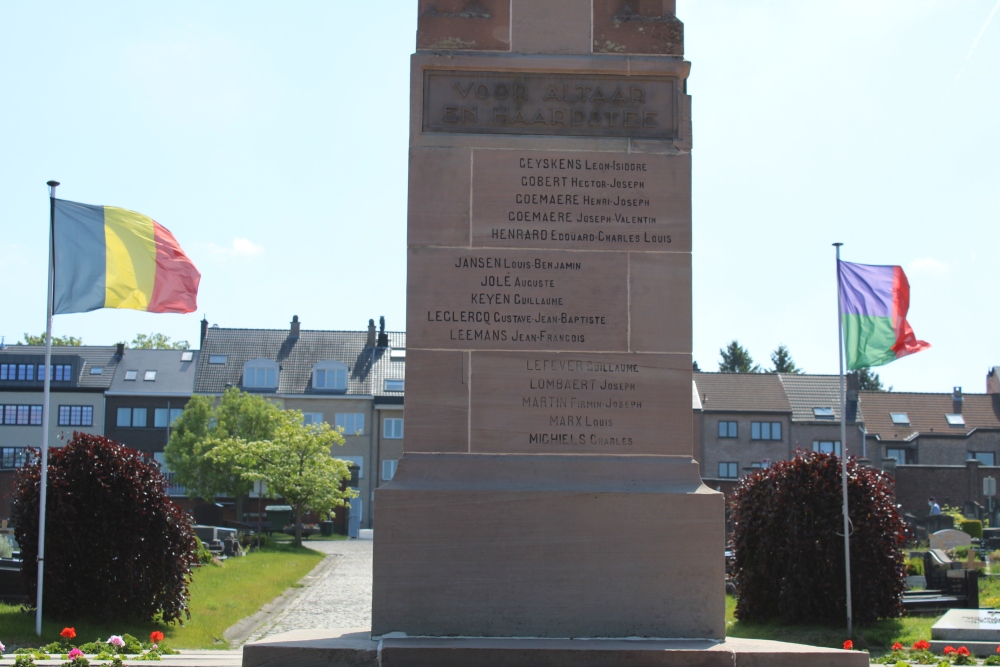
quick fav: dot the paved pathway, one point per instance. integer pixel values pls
(339, 595)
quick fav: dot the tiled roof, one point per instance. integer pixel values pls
(742, 392)
(806, 392)
(173, 375)
(926, 414)
(87, 357)
(368, 367)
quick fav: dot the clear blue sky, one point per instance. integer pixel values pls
(272, 140)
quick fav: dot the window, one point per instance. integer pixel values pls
(398, 354)
(827, 446)
(150, 376)
(25, 371)
(330, 376)
(131, 375)
(392, 428)
(21, 415)
(76, 415)
(260, 374)
(164, 417)
(353, 423)
(309, 418)
(57, 373)
(727, 429)
(985, 458)
(359, 461)
(14, 457)
(765, 430)
(728, 469)
(187, 355)
(900, 418)
(97, 370)
(955, 420)
(217, 359)
(394, 385)
(5, 372)
(899, 454)
(823, 413)
(132, 417)
(388, 469)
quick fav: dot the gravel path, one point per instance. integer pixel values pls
(338, 596)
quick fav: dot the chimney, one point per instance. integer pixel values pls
(371, 334)
(956, 400)
(993, 381)
(295, 327)
(383, 337)
(853, 382)
(120, 352)
(204, 330)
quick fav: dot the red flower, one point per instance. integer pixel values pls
(848, 645)
(897, 647)
(948, 650)
(156, 636)
(998, 649)
(962, 650)
(921, 645)
(68, 633)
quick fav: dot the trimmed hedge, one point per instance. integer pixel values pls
(973, 527)
(788, 539)
(115, 546)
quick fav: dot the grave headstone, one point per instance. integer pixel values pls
(936, 522)
(949, 539)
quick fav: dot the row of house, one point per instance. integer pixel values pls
(351, 379)
(356, 380)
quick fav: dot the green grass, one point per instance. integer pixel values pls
(877, 637)
(283, 537)
(220, 596)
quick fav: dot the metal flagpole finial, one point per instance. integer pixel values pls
(52, 187)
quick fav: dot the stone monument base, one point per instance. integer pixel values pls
(355, 648)
(533, 545)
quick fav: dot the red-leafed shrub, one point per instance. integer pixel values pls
(115, 546)
(788, 539)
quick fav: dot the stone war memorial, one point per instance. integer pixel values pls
(548, 509)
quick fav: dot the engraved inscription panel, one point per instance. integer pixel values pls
(532, 103)
(475, 299)
(539, 402)
(583, 201)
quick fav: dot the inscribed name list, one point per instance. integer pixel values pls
(566, 402)
(581, 201)
(463, 298)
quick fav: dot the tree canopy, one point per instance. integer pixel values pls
(62, 341)
(157, 341)
(295, 464)
(869, 381)
(736, 359)
(203, 426)
(781, 358)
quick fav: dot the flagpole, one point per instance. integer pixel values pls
(843, 446)
(44, 469)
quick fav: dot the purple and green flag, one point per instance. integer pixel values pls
(874, 301)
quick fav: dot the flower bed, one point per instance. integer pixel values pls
(112, 651)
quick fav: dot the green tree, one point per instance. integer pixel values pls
(295, 464)
(157, 341)
(736, 359)
(782, 360)
(66, 341)
(202, 427)
(869, 381)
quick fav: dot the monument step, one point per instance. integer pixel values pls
(355, 648)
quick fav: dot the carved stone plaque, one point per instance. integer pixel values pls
(581, 403)
(581, 200)
(535, 103)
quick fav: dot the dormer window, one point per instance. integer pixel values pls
(330, 376)
(260, 374)
(394, 385)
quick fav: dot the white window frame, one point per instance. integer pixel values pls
(392, 428)
(827, 447)
(388, 469)
(261, 374)
(349, 422)
(321, 376)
